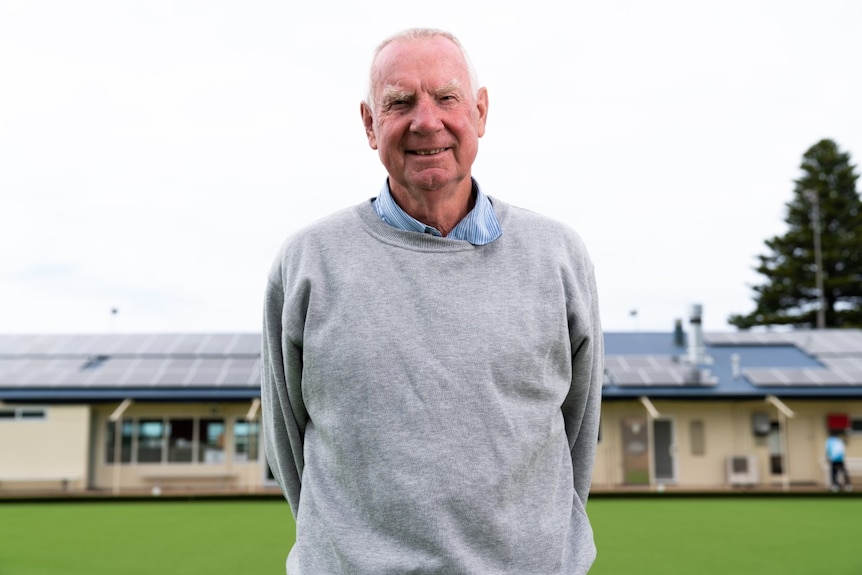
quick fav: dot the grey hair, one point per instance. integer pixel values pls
(420, 34)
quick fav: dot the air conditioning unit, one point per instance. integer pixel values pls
(742, 470)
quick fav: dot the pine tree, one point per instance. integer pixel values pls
(789, 296)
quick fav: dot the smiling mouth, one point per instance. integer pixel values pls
(428, 152)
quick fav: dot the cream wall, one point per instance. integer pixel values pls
(727, 432)
(42, 452)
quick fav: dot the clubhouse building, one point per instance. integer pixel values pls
(136, 413)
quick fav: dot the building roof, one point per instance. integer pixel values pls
(226, 366)
(805, 363)
(139, 366)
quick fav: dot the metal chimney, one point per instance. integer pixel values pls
(696, 350)
(678, 334)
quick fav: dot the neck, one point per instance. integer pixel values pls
(440, 209)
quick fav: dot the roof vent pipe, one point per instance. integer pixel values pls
(696, 350)
(734, 365)
(678, 334)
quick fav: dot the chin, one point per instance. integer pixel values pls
(433, 181)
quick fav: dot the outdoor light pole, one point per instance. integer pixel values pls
(811, 195)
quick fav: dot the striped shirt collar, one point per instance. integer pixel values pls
(479, 227)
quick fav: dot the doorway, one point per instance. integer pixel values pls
(648, 454)
(664, 459)
(635, 451)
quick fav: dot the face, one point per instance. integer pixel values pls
(427, 123)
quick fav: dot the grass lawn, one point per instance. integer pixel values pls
(786, 536)
(145, 538)
(747, 535)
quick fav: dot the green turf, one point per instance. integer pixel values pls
(149, 538)
(667, 536)
(782, 536)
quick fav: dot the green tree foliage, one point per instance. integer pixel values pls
(789, 295)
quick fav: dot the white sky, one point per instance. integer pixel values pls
(154, 155)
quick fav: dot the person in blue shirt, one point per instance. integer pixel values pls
(835, 455)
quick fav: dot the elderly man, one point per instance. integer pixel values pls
(432, 357)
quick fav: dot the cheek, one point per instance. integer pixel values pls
(387, 138)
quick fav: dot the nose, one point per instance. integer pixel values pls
(426, 117)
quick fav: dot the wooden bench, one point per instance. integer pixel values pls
(63, 481)
(190, 479)
(853, 465)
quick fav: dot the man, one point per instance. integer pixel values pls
(432, 358)
(835, 455)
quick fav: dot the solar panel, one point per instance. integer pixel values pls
(130, 360)
(844, 363)
(44, 372)
(161, 344)
(111, 376)
(806, 377)
(217, 344)
(15, 344)
(185, 343)
(199, 380)
(246, 344)
(669, 375)
(171, 376)
(812, 341)
(131, 344)
(142, 371)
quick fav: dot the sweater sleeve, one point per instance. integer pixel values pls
(282, 410)
(581, 409)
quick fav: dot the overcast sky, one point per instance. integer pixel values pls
(154, 155)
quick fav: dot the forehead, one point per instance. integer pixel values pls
(427, 62)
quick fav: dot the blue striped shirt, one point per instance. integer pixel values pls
(479, 227)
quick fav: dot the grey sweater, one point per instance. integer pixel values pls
(431, 406)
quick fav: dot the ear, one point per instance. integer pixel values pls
(482, 109)
(368, 122)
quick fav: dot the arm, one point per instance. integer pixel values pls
(283, 414)
(581, 410)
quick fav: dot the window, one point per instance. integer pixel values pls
(180, 440)
(211, 438)
(30, 413)
(127, 427)
(22, 413)
(183, 440)
(245, 440)
(856, 425)
(151, 439)
(698, 437)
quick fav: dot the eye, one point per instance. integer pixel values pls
(448, 100)
(397, 104)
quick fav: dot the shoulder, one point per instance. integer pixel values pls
(326, 235)
(535, 229)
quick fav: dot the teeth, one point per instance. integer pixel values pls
(429, 152)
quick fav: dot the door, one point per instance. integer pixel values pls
(664, 462)
(776, 450)
(635, 435)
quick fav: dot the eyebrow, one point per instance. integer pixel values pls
(449, 87)
(392, 94)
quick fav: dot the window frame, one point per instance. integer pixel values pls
(697, 437)
(130, 432)
(23, 413)
(246, 445)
